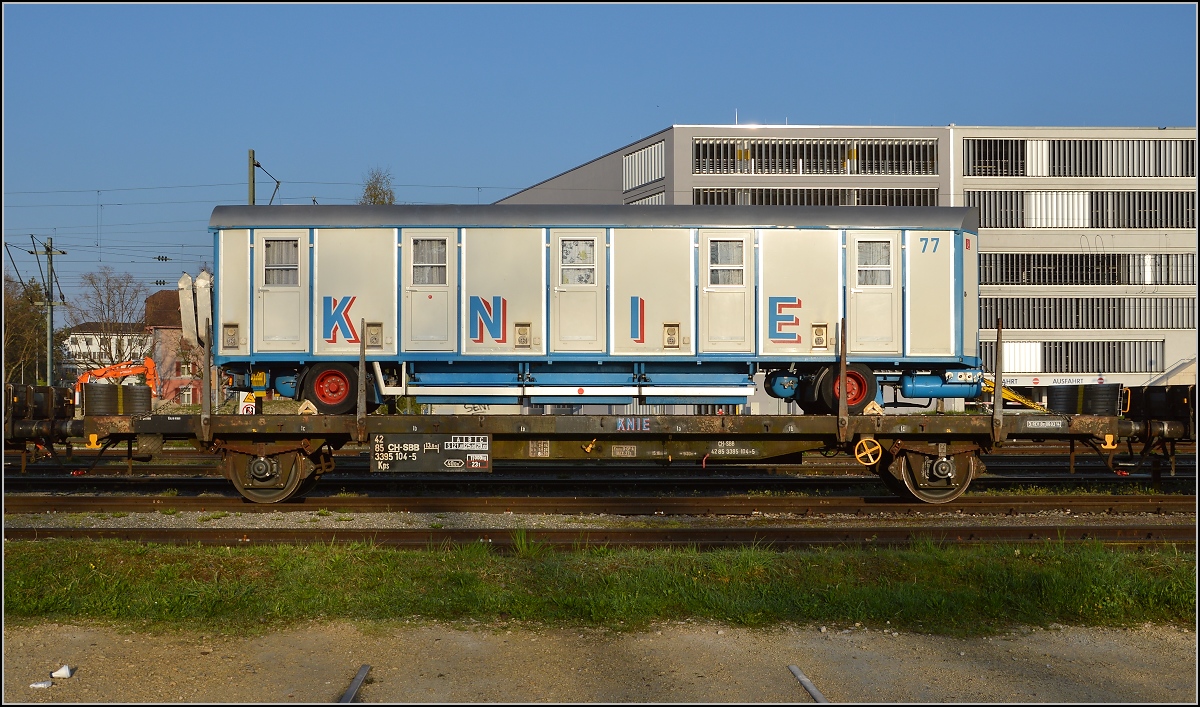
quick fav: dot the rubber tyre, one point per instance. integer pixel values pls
(332, 388)
(860, 381)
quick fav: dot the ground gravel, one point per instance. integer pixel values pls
(332, 518)
(424, 661)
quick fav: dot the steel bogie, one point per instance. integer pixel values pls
(274, 478)
(933, 476)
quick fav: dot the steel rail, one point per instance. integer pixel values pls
(648, 506)
(1129, 536)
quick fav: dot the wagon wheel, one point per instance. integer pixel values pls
(332, 388)
(861, 388)
(267, 479)
(935, 480)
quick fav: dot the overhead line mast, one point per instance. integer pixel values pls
(48, 291)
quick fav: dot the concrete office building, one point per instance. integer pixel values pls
(1087, 238)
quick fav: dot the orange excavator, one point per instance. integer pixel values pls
(121, 370)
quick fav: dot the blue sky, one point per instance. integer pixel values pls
(124, 125)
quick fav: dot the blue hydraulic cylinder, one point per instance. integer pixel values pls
(914, 385)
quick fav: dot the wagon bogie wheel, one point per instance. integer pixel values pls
(270, 479)
(937, 480)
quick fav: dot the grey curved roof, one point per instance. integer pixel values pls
(304, 216)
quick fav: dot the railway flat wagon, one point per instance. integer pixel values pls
(596, 304)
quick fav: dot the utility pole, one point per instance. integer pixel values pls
(49, 252)
(252, 164)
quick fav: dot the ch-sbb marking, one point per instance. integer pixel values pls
(430, 452)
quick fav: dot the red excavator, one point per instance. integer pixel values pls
(121, 370)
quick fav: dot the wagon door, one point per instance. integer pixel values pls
(577, 298)
(430, 289)
(281, 296)
(726, 296)
(873, 300)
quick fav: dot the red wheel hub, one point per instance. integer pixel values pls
(331, 387)
(856, 388)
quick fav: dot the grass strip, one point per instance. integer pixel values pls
(934, 589)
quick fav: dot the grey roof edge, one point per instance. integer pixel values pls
(581, 166)
(541, 215)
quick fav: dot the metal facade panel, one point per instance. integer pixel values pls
(429, 277)
(578, 288)
(233, 283)
(354, 280)
(799, 287)
(1021, 356)
(1057, 209)
(503, 287)
(727, 277)
(653, 284)
(1037, 158)
(930, 293)
(281, 289)
(874, 292)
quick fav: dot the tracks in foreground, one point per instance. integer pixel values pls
(1132, 537)
(620, 506)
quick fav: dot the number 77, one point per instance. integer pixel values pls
(925, 243)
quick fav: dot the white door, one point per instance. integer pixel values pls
(578, 280)
(873, 279)
(726, 293)
(430, 289)
(281, 292)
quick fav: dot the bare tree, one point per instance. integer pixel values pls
(109, 317)
(377, 188)
(25, 332)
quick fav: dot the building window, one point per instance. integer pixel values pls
(1087, 269)
(817, 156)
(1081, 356)
(185, 396)
(429, 261)
(725, 263)
(875, 263)
(1079, 158)
(185, 368)
(578, 261)
(1088, 312)
(281, 262)
(724, 196)
(1084, 209)
(994, 158)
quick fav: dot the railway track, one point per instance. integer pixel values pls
(623, 506)
(1125, 536)
(572, 484)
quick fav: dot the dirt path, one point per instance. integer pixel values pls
(676, 662)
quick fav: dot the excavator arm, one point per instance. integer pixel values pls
(122, 370)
